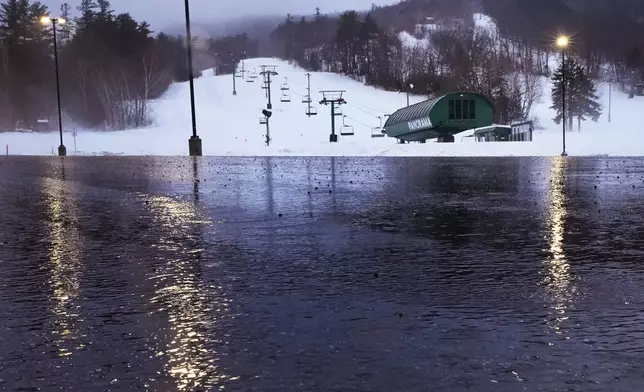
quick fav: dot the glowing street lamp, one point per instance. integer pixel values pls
(46, 21)
(563, 42)
(411, 86)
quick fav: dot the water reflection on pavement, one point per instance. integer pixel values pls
(321, 274)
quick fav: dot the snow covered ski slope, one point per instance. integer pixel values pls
(229, 125)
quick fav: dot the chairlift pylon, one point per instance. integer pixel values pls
(346, 130)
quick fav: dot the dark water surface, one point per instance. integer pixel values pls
(321, 274)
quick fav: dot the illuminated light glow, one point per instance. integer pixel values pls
(46, 20)
(563, 41)
(65, 267)
(558, 279)
(190, 357)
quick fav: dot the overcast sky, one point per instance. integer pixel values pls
(162, 13)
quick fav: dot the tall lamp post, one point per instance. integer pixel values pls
(562, 43)
(232, 56)
(46, 20)
(194, 144)
(411, 86)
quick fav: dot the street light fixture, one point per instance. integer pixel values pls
(411, 86)
(563, 42)
(194, 143)
(46, 21)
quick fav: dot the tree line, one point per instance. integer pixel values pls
(450, 56)
(110, 66)
(445, 54)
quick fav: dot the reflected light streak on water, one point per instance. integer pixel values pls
(193, 308)
(558, 279)
(65, 265)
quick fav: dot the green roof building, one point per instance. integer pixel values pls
(440, 118)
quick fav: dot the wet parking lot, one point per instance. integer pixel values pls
(321, 274)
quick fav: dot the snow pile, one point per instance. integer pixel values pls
(486, 24)
(229, 125)
(410, 41)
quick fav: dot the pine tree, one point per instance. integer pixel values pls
(87, 13)
(27, 65)
(582, 101)
(346, 42)
(67, 27)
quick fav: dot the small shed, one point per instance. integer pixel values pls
(440, 118)
(493, 133)
(520, 132)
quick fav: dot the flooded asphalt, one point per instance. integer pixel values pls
(321, 274)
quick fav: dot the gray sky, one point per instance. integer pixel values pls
(161, 13)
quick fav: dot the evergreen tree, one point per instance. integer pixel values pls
(27, 64)
(368, 42)
(582, 101)
(346, 43)
(67, 27)
(87, 12)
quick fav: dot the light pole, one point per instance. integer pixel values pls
(232, 56)
(411, 86)
(562, 43)
(610, 98)
(46, 20)
(194, 143)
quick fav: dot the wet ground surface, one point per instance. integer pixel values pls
(321, 274)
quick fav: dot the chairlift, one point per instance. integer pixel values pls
(338, 111)
(253, 74)
(248, 78)
(284, 86)
(378, 131)
(346, 130)
(285, 98)
(263, 120)
(311, 111)
(265, 86)
(306, 99)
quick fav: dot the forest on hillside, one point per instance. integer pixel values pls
(506, 65)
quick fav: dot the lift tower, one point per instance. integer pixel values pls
(333, 98)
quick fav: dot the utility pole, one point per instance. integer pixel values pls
(45, 20)
(308, 92)
(562, 43)
(234, 76)
(333, 97)
(194, 143)
(610, 98)
(267, 72)
(267, 114)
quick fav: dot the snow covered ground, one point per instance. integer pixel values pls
(229, 125)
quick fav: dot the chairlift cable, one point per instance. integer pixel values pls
(359, 122)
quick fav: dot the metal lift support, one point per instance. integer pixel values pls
(333, 98)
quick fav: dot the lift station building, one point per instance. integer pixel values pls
(440, 118)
